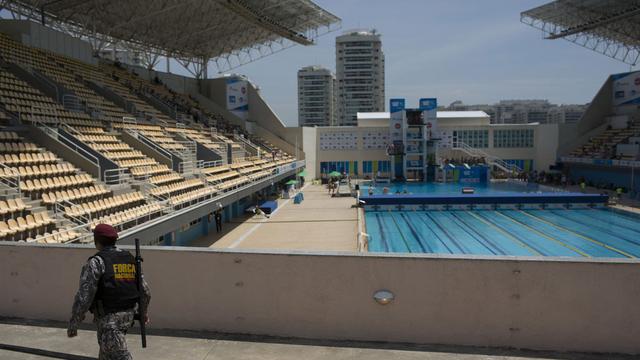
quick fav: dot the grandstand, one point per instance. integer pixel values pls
(602, 148)
(85, 142)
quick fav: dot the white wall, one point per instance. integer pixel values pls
(309, 146)
(561, 305)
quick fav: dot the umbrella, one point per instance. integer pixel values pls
(302, 173)
(291, 182)
(335, 174)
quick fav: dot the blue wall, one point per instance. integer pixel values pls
(617, 176)
(206, 225)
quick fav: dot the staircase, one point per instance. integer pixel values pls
(490, 159)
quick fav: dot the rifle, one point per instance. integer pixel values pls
(141, 309)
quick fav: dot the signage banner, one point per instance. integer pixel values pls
(396, 107)
(429, 107)
(626, 88)
(237, 97)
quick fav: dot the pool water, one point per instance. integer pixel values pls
(455, 188)
(597, 232)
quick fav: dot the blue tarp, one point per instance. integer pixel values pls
(268, 206)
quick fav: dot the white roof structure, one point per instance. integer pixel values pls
(440, 114)
(472, 118)
(227, 32)
(373, 115)
(462, 114)
(609, 27)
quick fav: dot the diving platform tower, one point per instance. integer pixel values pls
(413, 135)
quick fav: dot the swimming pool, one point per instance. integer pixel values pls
(598, 232)
(455, 188)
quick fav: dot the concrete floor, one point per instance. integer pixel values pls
(319, 223)
(19, 341)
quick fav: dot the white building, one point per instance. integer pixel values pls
(316, 96)
(359, 75)
(361, 150)
(525, 111)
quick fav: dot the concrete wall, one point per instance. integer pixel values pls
(309, 146)
(555, 304)
(178, 83)
(601, 106)
(33, 34)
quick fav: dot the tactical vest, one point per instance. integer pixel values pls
(117, 289)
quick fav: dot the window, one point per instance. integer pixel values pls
(473, 138)
(513, 138)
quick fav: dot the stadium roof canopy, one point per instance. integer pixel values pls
(609, 27)
(227, 32)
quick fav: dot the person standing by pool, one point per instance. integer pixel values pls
(218, 218)
(370, 190)
(583, 186)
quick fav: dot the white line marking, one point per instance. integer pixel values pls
(255, 227)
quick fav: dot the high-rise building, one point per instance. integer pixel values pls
(316, 96)
(359, 75)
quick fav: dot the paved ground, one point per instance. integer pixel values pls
(39, 341)
(319, 223)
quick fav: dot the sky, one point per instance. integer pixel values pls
(470, 50)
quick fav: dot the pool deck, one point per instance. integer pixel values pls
(40, 340)
(319, 223)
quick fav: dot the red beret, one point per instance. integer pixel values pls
(106, 231)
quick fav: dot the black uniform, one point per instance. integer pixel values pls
(218, 218)
(108, 289)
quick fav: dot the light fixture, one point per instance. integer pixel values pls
(383, 297)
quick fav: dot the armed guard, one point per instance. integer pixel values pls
(108, 289)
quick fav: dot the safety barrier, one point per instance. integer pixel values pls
(118, 176)
(10, 182)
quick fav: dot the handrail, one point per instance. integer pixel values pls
(82, 229)
(136, 134)
(69, 143)
(72, 102)
(214, 163)
(36, 73)
(117, 176)
(129, 120)
(459, 145)
(59, 209)
(11, 181)
(217, 197)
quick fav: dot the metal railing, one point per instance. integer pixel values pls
(45, 79)
(214, 163)
(213, 197)
(72, 103)
(118, 176)
(491, 160)
(12, 182)
(53, 133)
(60, 208)
(189, 167)
(246, 143)
(84, 236)
(128, 120)
(147, 190)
